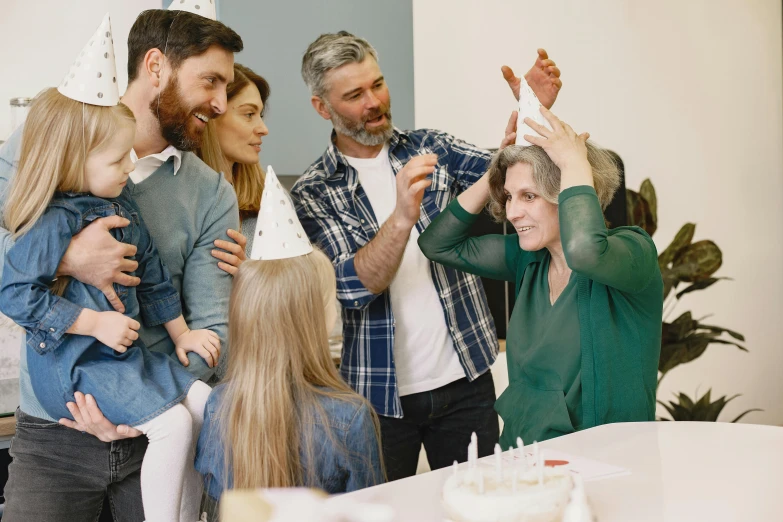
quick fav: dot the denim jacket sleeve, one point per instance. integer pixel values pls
(363, 461)
(158, 299)
(209, 450)
(30, 267)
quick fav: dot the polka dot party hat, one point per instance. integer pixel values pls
(204, 8)
(528, 108)
(93, 75)
(279, 234)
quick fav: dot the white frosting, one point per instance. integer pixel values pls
(527, 501)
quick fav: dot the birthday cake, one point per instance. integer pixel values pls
(516, 492)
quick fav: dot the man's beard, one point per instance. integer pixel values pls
(356, 130)
(174, 117)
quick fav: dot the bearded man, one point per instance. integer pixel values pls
(418, 337)
(179, 65)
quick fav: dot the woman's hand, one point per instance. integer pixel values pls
(232, 254)
(562, 145)
(567, 150)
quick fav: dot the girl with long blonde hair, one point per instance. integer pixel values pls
(73, 169)
(283, 416)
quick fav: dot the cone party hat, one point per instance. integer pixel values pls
(278, 234)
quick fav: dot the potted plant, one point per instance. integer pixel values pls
(684, 339)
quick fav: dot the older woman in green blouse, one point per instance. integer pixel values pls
(585, 334)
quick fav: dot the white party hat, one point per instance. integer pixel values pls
(93, 75)
(278, 234)
(528, 108)
(204, 8)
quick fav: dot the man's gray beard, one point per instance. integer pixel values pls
(357, 131)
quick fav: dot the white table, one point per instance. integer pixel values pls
(680, 471)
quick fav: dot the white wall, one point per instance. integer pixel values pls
(40, 39)
(689, 94)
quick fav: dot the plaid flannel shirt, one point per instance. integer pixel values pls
(338, 217)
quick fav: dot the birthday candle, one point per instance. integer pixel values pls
(539, 464)
(498, 463)
(521, 454)
(455, 467)
(473, 450)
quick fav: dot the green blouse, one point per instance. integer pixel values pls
(560, 382)
(545, 383)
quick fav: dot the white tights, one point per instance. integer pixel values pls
(170, 485)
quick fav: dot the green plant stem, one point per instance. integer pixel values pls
(669, 305)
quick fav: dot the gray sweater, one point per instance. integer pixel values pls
(185, 213)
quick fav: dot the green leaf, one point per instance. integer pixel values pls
(686, 401)
(684, 325)
(745, 413)
(711, 411)
(671, 356)
(723, 341)
(680, 241)
(704, 255)
(638, 211)
(647, 191)
(668, 408)
(700, 285)
(670, 281)
(720, 329)
(700, 410)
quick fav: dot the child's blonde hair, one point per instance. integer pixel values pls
(278, 370)
(58, 135)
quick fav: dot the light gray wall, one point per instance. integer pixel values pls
(276, 34)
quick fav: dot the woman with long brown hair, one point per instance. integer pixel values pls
(230, 145)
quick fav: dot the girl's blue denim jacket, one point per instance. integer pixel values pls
(130, 387)
(352, 463)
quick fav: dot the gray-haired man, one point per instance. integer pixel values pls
(418, 337)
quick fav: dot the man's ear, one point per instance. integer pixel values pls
(152, 66)
(320, 107)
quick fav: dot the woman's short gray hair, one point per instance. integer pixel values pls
(330, 51)
(546, 175)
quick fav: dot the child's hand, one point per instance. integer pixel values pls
(115, 330)
(204, 342)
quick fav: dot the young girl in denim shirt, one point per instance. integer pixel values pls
(73, 168)
(284, 417)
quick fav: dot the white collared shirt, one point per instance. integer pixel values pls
(148, 164)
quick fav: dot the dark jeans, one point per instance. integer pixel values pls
(60, 474)
(442, 420)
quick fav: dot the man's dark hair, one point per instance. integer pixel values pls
(178, 34)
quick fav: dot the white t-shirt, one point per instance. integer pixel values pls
(424, 354)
